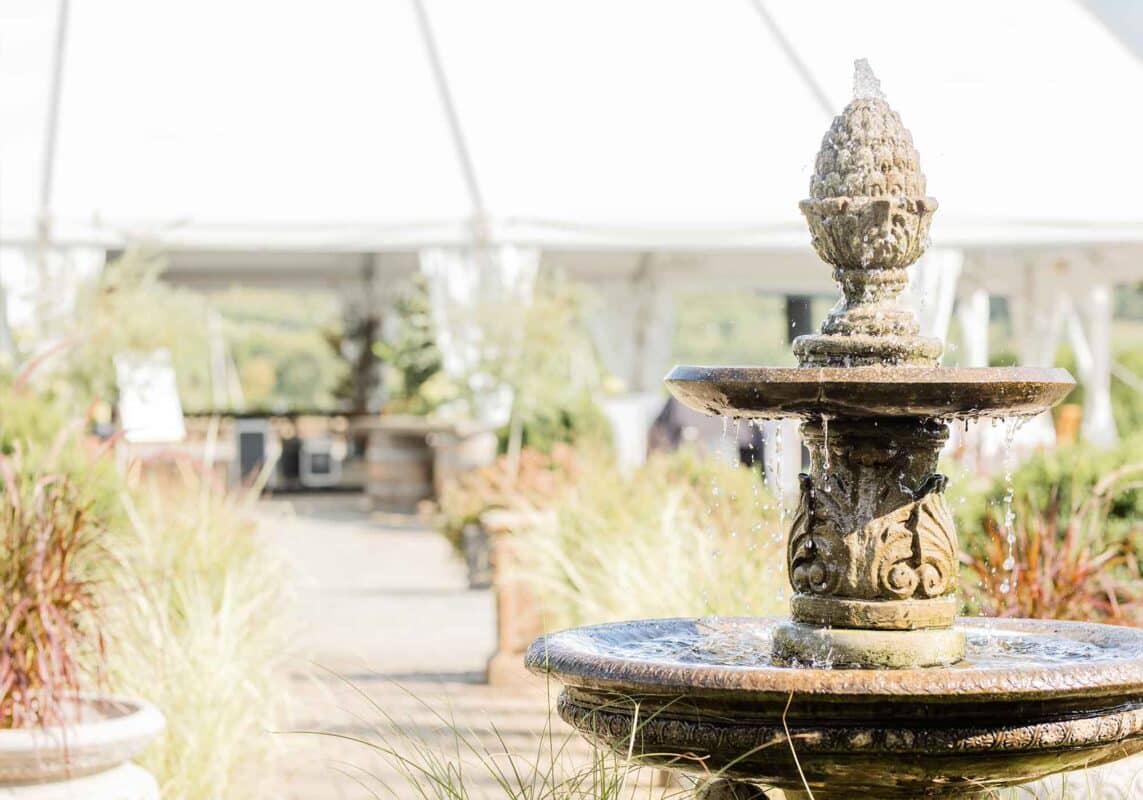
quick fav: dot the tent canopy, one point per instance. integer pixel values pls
(590, 123)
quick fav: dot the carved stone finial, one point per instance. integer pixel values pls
(867, 152)
(869, 217)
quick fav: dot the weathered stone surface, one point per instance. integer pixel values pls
(867, 152)
(720, 789)
(799, 644)
(872, 522)
(1013, 712)
(874, 393)
(869, 217)
(892, 615)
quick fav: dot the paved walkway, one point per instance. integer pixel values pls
(389, 636)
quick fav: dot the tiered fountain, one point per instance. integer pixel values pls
(874, 688)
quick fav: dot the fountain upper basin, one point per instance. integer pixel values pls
(869, 392)
(1031, 698)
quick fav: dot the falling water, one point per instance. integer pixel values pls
(779, 489)
(756, 489)
(825, 453)
(825, 442)
(1008, 584)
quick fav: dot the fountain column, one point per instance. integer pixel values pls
(872, 550)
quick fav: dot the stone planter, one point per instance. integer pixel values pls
(87, 760)
(518, 619)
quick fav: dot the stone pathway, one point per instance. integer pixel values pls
(391, 647)
(390, 637)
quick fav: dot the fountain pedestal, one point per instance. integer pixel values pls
(872, 550)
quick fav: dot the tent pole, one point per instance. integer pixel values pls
(444, 92)
(795, 60)
(48, 160)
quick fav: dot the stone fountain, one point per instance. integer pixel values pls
(873, 688)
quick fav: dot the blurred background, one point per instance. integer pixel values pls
(367, 273)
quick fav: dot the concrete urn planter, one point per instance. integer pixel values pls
(85, 760)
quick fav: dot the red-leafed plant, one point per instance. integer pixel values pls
(48, 599)
(1064, 565)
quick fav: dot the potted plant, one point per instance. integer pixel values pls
(58, 737)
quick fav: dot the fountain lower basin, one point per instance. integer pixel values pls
(1030, 698)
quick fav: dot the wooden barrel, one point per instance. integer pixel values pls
(400, 470)
(455, 453)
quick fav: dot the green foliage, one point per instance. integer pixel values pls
(411, 357)
(356, 346)
(279, 343)
(682, 536)
(190, 598)
(550, 363)
(720, 327)
(1065, 565)
(1063, 478)
(39, 428)
(540, 350)
(199, 632)
(1077, 534)
(533, 481)
(577, 418)
(274, 337)
(128, 309)
(1127, 400)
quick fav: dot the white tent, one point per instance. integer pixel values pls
(646, 144)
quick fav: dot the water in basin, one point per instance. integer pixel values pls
(746, 643)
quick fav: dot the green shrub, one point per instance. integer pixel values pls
(1127, 400)
(534, 481)
(682, 536)
(1061, 478)
(1077, 534)
(413, 366)
(1049, 564)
